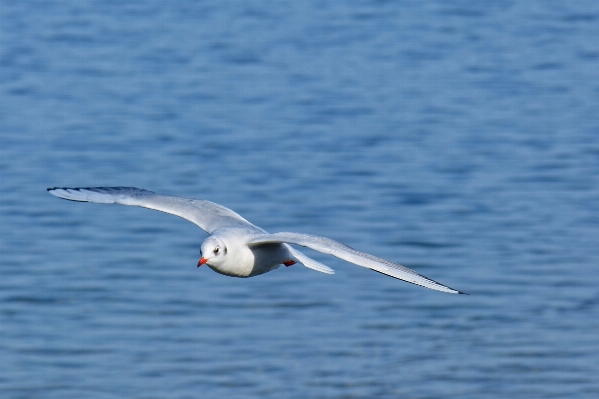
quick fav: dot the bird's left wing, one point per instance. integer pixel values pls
(208, 215)
(342, 251)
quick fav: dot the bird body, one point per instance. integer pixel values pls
(237, 248)
(238, 259)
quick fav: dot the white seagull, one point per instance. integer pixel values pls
(236, 247)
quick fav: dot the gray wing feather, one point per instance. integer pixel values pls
(335, 248)
(207, 215)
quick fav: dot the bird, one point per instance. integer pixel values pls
(235, 247)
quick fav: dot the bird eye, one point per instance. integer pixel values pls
(216, 250)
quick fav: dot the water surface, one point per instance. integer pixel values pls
(458, 138)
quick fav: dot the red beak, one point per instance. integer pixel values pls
(202, 261)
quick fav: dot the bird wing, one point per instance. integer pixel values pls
(207, 215)
(309, 262)
(335, 248)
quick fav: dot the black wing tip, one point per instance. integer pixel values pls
(64, 188)
(101, 190)
(50, 189)
(96, 188)
(420, 285)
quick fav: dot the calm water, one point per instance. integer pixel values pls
(458, 138)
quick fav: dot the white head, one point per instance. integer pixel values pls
(213, 251)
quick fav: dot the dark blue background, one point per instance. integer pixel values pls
(458, 138)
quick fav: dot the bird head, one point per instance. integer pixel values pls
(213, 252)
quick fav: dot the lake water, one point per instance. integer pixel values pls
(458, 138)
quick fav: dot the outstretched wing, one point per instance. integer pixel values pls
(208, 215)
(335, 248)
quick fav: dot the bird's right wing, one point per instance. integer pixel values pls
(342, 251)
(207, 215)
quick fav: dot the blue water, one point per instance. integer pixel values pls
(458, 138)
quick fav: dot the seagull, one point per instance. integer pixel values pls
(236, 247)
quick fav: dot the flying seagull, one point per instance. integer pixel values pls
(235, 247)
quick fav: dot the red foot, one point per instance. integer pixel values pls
(289, 262)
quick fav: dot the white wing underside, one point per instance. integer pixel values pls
(207, 215)
(335, 248)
